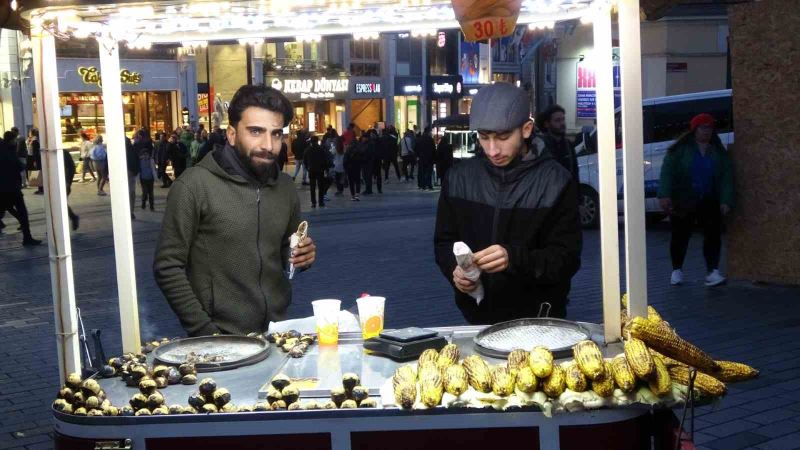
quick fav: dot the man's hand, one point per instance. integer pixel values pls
(724, 209)
(304, 254)
(462, 283)
(666, 204)
(492, 259)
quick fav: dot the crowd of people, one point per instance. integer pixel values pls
(362, 162)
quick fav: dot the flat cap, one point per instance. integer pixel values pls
(499, 107)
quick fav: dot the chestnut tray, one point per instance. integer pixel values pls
(222, 352)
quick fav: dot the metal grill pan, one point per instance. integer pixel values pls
(224, 352)
(558, 335)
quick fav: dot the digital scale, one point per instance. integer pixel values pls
(405, 343)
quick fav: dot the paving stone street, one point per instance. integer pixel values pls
(383, 245)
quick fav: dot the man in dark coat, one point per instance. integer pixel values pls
(516, 210)
(11, 199)
(444, 158)
(426, 152)
(553, 126)
(390, 150)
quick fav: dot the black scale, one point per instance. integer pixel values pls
(405, 343)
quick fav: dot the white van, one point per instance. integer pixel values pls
(664, 120)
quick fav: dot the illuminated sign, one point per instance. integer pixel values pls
(369, 88)
(444, 86)
(312, 88)
(413, 89)
(91, 75)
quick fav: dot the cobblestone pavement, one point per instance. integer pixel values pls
(383, 245)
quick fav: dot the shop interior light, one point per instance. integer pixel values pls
(251, 41)
(14, 5)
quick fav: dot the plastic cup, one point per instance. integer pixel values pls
(370, 315)
(326, 313)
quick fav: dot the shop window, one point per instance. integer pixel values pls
(505, 77)
(293, 50)
(271, 50)
(365, 58)
(365, 69)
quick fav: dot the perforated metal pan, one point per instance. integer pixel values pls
(558, 335)
(236, 351)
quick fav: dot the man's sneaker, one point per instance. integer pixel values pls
(714, 278)
(677, 277)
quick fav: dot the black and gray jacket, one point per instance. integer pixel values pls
(530, 208)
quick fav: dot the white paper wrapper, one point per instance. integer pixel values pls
(471, 271)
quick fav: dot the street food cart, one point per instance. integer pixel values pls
(140, 25)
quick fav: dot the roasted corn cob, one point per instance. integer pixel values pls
(604, 384)
(478, 373)
(734, 371)
(405, 394)
(502, 381)
(456, 381)
(554, 384)
(407, 373)
(660, 383)
(589, 359)
(431, 390)
(706, 384)
(518, 359)
(623, 374)
(666, 341)
(576, 380)
(526, 380)
(639, 358)
(448, 356)
(541, 362)
(429, 356)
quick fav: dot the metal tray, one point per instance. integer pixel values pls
(236, 351)
(558, 335)
(322, 367)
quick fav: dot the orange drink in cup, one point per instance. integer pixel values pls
(370, 315)
(326, 314)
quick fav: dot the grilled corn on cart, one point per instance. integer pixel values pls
(384, 428)
(141, 24)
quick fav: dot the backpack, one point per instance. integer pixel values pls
(99, 153)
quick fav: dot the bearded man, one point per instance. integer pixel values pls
(223, 252)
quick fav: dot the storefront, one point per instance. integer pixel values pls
(443, 95)
(407, 102)
(149, 95)
(318, 101)
(367, 106)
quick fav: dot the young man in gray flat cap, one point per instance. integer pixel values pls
(516, 210)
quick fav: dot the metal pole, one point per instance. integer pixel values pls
(55, 201)
(633, 156)
(607, 169)
(120, 206)
(423, 97)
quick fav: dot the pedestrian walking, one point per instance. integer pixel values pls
(317, 162)
(349, 135)
(178, 154)
(371, 164)
(147, 178)
(339, 174)
(197, 143)
(69, 173)
(11, 198)
(35, 152)
(86, 157)
(132, 160)
(391, 151)
(696, 187)
(299, 151)
(100, 159)
(161, 158)
(22, 155)
(352, 165)
(283, 156)
(407, 154)
(426, 152)
(444, 159)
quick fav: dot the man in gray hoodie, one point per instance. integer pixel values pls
(224, 244)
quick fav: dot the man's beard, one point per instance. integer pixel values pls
(263, 171)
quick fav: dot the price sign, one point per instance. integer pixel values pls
(486, 19)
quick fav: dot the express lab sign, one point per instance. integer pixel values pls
(368, 88)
